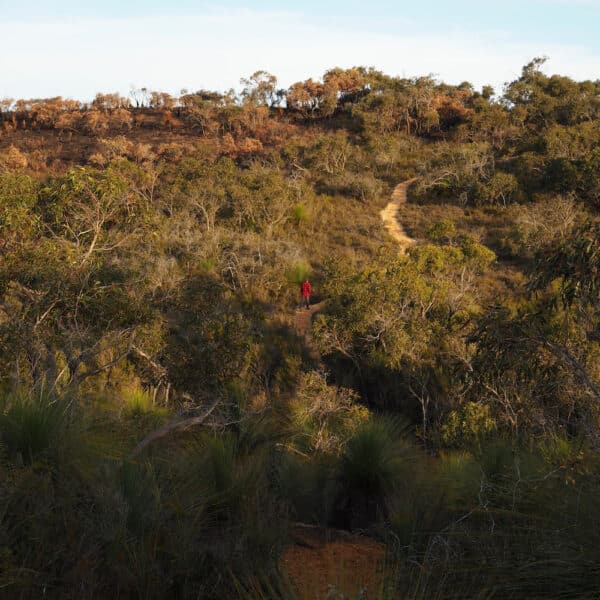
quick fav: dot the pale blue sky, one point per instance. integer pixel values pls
(77, 48)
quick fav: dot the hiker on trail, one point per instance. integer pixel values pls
(306, 289)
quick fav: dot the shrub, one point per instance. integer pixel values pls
(442, 231)
(477, 254)
(325, 415)
(467, 426)
(13, 159)
(376, 463)
(32, 423)
(298, 272)
(137, 401)
(300, 213)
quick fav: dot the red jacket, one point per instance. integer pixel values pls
(306, 289)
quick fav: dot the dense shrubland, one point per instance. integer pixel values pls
(151, 250)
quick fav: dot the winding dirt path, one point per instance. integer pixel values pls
(318, 559)
(389, 216)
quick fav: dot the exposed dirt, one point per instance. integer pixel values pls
(303, 324)
(389, 216)
(326, 561)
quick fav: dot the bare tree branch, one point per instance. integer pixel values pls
(174, 427)
(562, 352)
(79, 378)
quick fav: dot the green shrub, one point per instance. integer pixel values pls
(468, 426)
(137, 401)
(476, 254)
(442, 231)
(373, 460)
(298, 272)
(32, 423)
(300, 213)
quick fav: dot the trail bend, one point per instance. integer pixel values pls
(389, 216)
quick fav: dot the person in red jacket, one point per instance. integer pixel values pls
(306, 289)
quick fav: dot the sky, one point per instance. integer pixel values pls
(76, 48)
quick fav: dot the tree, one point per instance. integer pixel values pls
(305, 97)
(349, 84)
(575, 262)
(110, 102)
(547, 100)
(260, 89)
(120, 119)
(161, 101)
(141, 96)
(537, 360)
(95, 122)
(487, 92)
(6, 104)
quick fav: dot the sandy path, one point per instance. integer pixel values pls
(389, 216)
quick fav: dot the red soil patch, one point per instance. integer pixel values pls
(323, 561)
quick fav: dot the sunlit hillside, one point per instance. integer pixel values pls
(175, 423)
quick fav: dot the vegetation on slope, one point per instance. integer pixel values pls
(151, 253)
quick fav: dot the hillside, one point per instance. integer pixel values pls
(173, 426)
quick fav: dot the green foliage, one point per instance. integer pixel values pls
(442, 231)
(298, 273)
(576, 262)
(140, 403)
(18, 195)
(141, 291)
(468, 426)
(476, 254)
(375, 460)
(502, 188)
(140, 491)
(300, 213)
(32, 424)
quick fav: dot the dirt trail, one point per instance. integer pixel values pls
(303, 325)
(389, 216)
(325, 561)
(321, 560)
